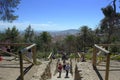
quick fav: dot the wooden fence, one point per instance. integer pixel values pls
(99, 48)
(21, 52)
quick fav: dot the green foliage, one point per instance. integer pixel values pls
(44, 41)
(70, 43)
(89, 55)
(29, 35)
(73, 55)
(85, 38)
(42, 54)
(60, 45)
(110, 23)
(108, 11)
(54, 50)
(2, 36)
(115, 57)
(58, 56)
(7, 10)
(12, 34)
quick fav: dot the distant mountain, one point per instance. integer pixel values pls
(57, 33)
(64, 33)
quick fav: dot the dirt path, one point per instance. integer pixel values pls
(54, 77)
(10, 70)
(39, 71)
(114, 73)
(86, 71)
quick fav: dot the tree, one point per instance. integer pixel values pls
(97, 35)
(7, 10)
(12, 34)
(44, 41)
(85, 37)
(70, 43)
(29, 34)
(111, 21)
(2, 36)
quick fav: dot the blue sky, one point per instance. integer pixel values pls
(58, 14)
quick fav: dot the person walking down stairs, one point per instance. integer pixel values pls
(59, 70)
(67, 68)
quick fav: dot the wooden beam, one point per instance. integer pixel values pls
(29, 47)
(105, 45)
(34, 55)
(94, 57)
(50, 55)
(79, 55)
(15, 44)
(102, 49)
(9, 53)
(107, 67)
(108, 59)
(21, 66)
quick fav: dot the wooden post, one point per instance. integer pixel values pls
(21, 66)
(94, 57)
(34, 55)
(107, 67)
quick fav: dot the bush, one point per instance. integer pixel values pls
(42, 54)
(88, 55)
(115, 57)
(72, 55)
(58, 55)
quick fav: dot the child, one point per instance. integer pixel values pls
(67, 68)
(59, 70)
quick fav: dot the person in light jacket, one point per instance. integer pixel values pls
(67, 68)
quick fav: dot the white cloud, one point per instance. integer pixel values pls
(36, 26)
(49, 26)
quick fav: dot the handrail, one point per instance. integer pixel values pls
(50, 55)
(27, 48)
(102, 49)
(15, 44)
(79, 54)
(21, 58)
(10, 53)
(107, 60)
(105, 45)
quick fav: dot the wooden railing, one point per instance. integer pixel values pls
(21, 52)
(99, 48)
(50, 55)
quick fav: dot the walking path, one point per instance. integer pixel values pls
(54, 76)
(86, 71)
(62, 76)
